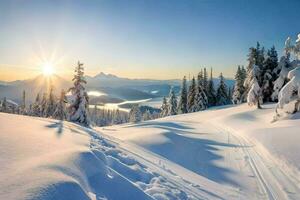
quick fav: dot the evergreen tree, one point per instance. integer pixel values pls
(268, 74)
(4, 105)
(23, 105)
(201, 101)
(36, 106)
(211, 93)
(135, 114)
(172, 103)
(182, 105)
(222, 98)
(78, 109)
(164, 108)
(60, 111)
(50, 103)
(205, 81)
(282, 70)
(200, 79)
(255, 57)
(238, 91)
(147, 115)
(43, 105)
(191, 99)
(117, 119)
(254, 96)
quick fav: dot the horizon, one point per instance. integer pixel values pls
(94, 75)
(144, 40)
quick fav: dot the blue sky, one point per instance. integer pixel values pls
(139, 39)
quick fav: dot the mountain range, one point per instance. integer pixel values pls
(114, 88)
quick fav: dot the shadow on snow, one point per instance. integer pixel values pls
(196, 154)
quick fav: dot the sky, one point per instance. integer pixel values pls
(159, 39)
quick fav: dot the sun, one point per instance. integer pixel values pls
(48, 69)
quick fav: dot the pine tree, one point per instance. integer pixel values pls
(4, 105)
(268, 74)
(282, 70)
(254, 96)
(60, 111)
(23, 105)
(50, 103)
(238, 91)
(200, 78)
(191, 99)
(205, 81)
(255, 57)
(135, 114)
(94, 115)
(222, 98)
(43, 105)
(147, 115)
(172, 103)
(201, 101)
(182, 105)
(36, 106)
(164, 108)
(78, 109)
(211, 93)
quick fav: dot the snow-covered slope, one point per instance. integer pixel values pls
(237, 148)
(228, 153)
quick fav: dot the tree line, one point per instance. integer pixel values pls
(199, 94)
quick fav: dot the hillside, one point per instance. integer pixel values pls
(223, 153)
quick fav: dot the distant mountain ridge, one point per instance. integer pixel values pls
(116, 88)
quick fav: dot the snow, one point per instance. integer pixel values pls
(230, 152)
(234, 152)
(287, 93)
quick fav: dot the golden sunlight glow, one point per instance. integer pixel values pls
(48, 69)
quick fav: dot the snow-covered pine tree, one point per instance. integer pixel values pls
(284, 66)
(201, 101)
(238, 91)
(210, 91)
(117, 117)
(254, 96)
(43, 105)
(200, 78)
(164, 109)
(268, 74)
(222, 96)
(4, 105)
(36, 106)
(291, 92)
(191, 99)
(78, 109)
(182, 105)
(147, 115)
(60, 111)
(50, 103)
(135, 114)
(255, 57)
(205, 81)
(94, 115)
(23, 110)
(172, 103)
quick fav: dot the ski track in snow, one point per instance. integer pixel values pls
(275, 184)
(123, 162)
